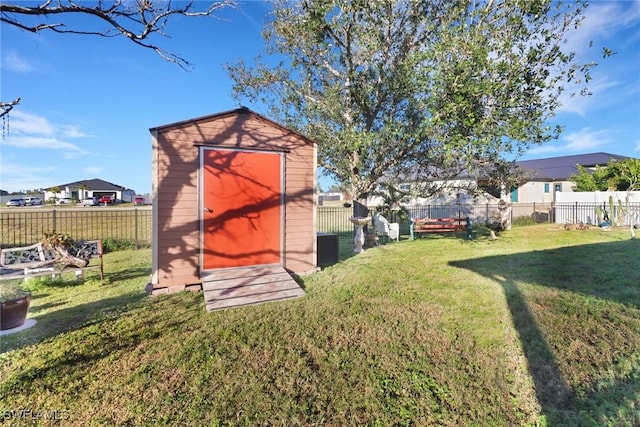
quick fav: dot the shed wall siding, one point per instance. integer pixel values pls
(300, 225)
(177, 204)
(177, 201)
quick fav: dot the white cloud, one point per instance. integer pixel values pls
(603, 20)
(13, 62)
(20, 177)
(22, 122)
(71, 131)
(638, 146)
(50, 143)
(583, 140)
(545, 149)
(632, 87)
(604, 24)
(586, 139)
(30, 131)
(93, 171)
(12, 168)
(581, 104)
(32, 124)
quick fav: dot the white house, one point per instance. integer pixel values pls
(543, 178)
(540, 180)
(459, 191)
(86, 189)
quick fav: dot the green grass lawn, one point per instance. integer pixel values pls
(540, 327)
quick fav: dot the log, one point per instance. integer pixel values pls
(65, 258)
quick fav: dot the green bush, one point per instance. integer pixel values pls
(523, 221)
(111, 244)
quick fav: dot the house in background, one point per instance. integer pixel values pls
(539, 181)
(464, 190)
(89, 188)
(542, 178)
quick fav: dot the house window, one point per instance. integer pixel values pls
(546, 187)
(557, 187)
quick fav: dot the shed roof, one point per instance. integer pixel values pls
(236, 111)
(561, 168)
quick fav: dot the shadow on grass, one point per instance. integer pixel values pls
(134, 273)
(347, 245)
(603, 271)
(453, 235)
(64, 319)
(57, 322)
(106, 337)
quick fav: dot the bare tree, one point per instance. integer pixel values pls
(6, 107)
(137, 20)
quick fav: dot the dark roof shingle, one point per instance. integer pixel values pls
(561, 168)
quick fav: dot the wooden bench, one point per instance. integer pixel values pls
(440, 225)
(36, 260)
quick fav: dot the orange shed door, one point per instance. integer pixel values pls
(241, 208)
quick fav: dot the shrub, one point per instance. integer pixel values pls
(523, 221)
(111, 244)
(11, 291)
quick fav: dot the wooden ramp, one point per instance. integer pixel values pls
(236, 287)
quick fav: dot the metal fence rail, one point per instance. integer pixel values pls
(25, 226)
(334, 220)
(21, 227)
(588, 213)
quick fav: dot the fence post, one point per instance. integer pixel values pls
(135, 227)
(53, 220)
(486, 213)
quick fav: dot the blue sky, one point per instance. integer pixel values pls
(88, 102)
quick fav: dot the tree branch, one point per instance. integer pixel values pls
(136, 21)
(6, 107)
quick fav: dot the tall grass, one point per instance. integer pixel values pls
(541, 327)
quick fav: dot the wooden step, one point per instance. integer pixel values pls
(237, 287)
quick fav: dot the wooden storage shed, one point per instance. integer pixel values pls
(233, 208)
